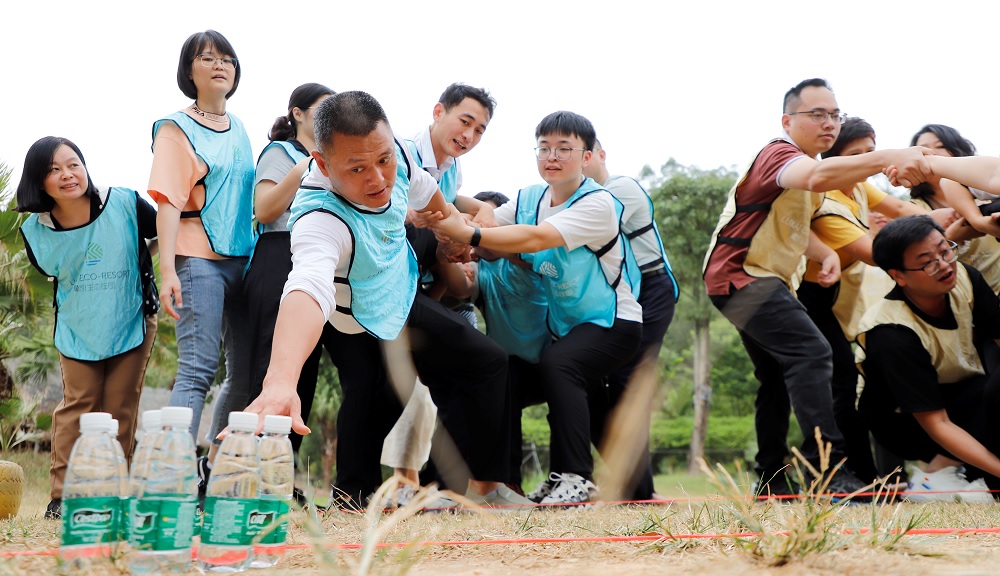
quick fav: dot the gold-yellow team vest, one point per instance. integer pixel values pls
(953, 352)
(777, 246)
(854, 296)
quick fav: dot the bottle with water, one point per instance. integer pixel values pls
(164, 489)
(277, 479)
(112, 432)
(231, 500)
(151, 427)
(91, 507)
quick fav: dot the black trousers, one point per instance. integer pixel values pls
(463, 369)
(572, 373)
(262, 286)
(844, 384)
(793, 364)
(657, 300)
(971, 404)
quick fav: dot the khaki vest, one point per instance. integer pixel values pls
(953, 352)
(777, 246)
(853, 297)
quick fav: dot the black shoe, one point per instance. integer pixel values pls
(844, 483)
(54, 510)
(204, 472)
(303, 501)
(779, 486)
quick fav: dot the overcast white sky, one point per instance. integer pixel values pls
(698, 81)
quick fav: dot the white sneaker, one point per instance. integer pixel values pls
(544, 488)
(572, 488)
(946, 485)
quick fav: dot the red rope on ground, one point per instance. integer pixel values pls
(582, 539)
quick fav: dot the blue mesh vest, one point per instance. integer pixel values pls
(228, 211)
(514, 302)
(98, 294)
(383, 269)
(577, 289)
(296, 155)
(448, 183)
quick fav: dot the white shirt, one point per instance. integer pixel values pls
(322, 248)
(429, 162)
(591, 221)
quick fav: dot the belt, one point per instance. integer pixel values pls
(654, 273)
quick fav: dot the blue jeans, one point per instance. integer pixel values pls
(214, 312)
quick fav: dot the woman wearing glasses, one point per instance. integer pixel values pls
(202, 181)
(842, 223)
(279, 169)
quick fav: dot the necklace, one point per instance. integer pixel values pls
(220, 118)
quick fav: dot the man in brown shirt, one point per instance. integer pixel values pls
(756, 249)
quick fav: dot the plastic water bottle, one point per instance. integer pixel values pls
(231, 501)
(151, 427)
(277, 480)
(164, 489)
(112, 432)
(91, 507)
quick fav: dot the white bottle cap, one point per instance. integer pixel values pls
(277, 424)
(94, 421)
(113, 427)
(176, 417)
(243, 421)
(151, 421)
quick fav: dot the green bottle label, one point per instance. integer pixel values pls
(162, 522)
(91, 520)
(273, 521)
(227, 521)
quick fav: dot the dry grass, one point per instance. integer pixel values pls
(672, 554)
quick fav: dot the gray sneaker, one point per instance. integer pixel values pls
(502, 497)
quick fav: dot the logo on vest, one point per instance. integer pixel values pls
(548, 269)
(94, 254)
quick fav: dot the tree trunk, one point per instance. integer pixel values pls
(329, 457)
(702, 393)
(6, 381)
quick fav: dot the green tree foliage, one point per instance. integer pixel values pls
(688, 201)
(25, 316)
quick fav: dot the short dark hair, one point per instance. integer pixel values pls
(352, 113)
(31, 194)
(792, 97)
(284, 127)
(496, 198)
(952, 141)
(454, 94)
(854, 128)
(193, 46)
(896, 236)
(570, 124)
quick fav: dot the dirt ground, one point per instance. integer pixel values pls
(950, 555)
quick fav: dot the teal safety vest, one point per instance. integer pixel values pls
(95, 267)
(647, 234)
(228, 211)
(513, 302)
(448, 182)
(296, 155)
(577, 289)
(382, 272)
